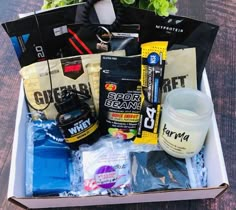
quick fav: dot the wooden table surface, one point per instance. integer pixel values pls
(221, 69)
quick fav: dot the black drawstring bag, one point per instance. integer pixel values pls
(64, 33)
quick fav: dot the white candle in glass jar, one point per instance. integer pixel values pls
(185, 120)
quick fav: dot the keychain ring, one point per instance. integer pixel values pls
(108, 32)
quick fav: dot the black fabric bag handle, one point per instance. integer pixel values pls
(49, 71)
(113, 27)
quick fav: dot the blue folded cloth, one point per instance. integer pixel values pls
(48, 160)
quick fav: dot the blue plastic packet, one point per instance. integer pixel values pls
(48, 161)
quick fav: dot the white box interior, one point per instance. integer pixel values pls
(217, 176)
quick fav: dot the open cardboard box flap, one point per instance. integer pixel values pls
(217, 176)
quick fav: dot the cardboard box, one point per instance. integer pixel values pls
(217, 176)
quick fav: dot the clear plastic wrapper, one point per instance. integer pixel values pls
(104, 167)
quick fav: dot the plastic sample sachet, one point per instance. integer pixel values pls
(106, 168)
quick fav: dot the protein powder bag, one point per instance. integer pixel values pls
(180, 70)
(180, 32)
(120, 96)
(44, 83)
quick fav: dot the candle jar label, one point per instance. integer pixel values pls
(178, 140)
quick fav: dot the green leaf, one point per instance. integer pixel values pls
(144, 4)
(129, 1)
(156, 4)
(160, 7)
(173, 10)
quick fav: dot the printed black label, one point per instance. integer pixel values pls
(80, 128)
(72, 67)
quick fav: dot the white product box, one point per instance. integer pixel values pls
(217, 176)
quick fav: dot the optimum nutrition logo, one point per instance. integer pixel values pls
(169, 28)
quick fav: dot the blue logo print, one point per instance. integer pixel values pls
(153, 58)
